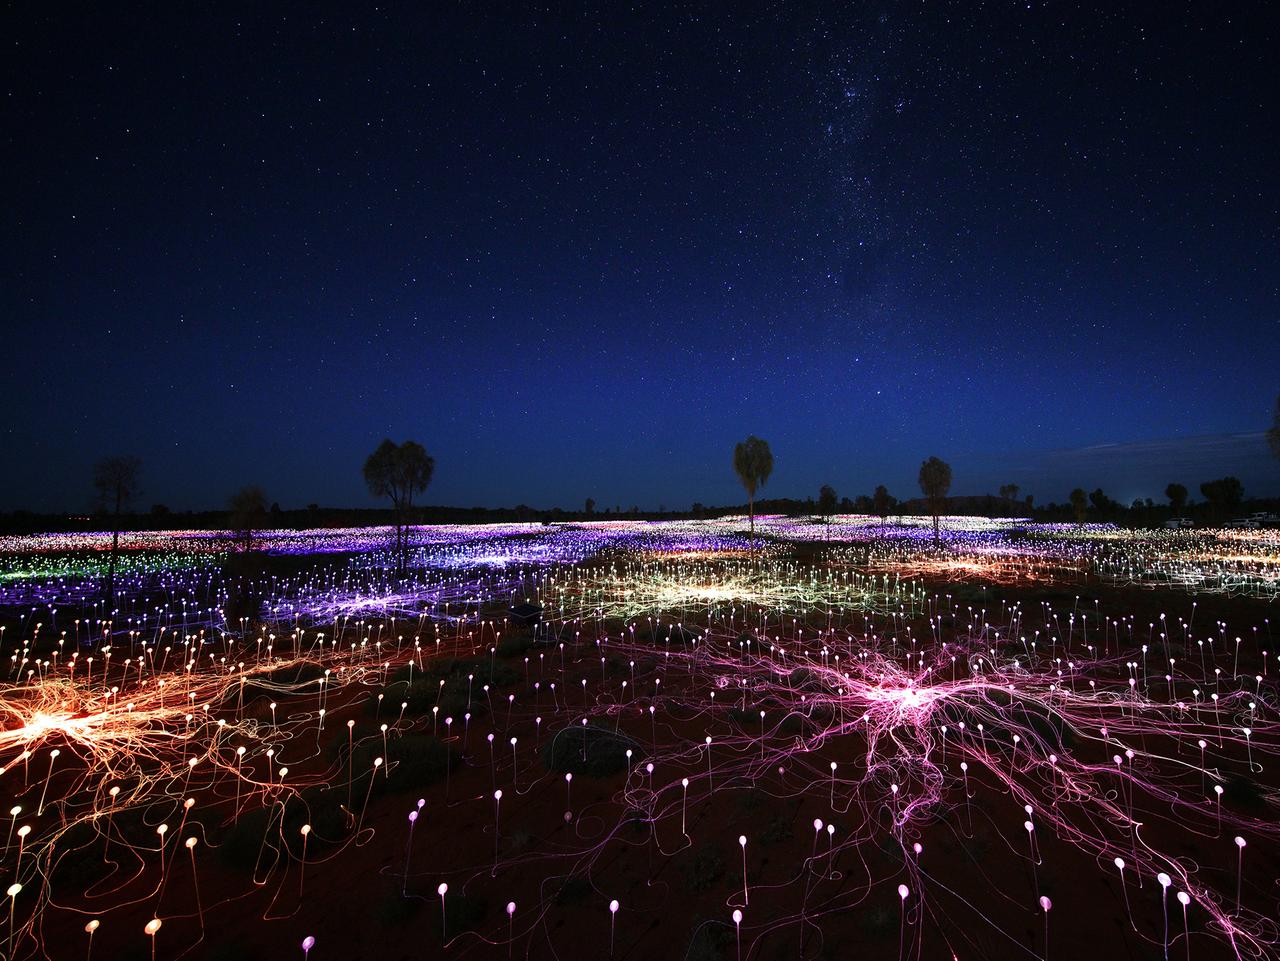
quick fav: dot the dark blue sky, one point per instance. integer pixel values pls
(581, 252)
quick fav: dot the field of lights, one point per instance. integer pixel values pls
(602, 739)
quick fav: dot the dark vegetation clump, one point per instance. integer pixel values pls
(1244, 794)
(231, 950)
(409, 761)
(396, 909)
(514, 645)
(778, 829)
(711, 941)
(243, 607)
(589, 750)
(463, 691)
(878, 921)
(574, 890)
(749, 801)
(262, 836)
(462, 912)
(806, 680)
(704, 870)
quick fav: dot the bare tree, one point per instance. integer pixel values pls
(935, 482)
(398, 471)
(753, 463)
(115, 483)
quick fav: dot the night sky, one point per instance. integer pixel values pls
(582, 251)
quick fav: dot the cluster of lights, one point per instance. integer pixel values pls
(844, 679)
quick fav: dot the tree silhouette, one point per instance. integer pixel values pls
(827, 502)
(248, 508)
(398, 471)
(115, 481)
(1273, 435)
(935, 481)
(1101, 502)
(1224, 495)
(1079, 504)
(882, 502)
(1177, 495)
(753, 463)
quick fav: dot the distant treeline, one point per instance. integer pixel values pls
(1144, 513)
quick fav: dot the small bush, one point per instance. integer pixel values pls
(778, 829)
(463, 912)
(1244, 793)
(410, 762)
(79, 858)
(243, 844)
(574, 890)
(262, 836)
(463, 690)
(515, 645)
(589, 750)
(705, 870)
(232, 950)
(710, 941)
(879, 921)
(394, 908)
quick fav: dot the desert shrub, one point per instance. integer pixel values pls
(518, 841)
(321, 807)
(463, 912)
(1244, 793)
(878, 921)
(704, 869)
(243, 844)
(455, 699)
(589, 750)
(807, 680)
(410, 762)
(79, 861)
(778, 829)
(243, 606)
(231, 950)
(495, 674)
(977, 847)
(710, 941)
(574, 890)
(394, 908)
(513, 645)
(264, 834)
(749, 800)
(458, 694)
